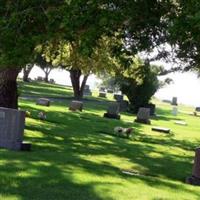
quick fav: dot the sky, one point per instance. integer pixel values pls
(185, 87)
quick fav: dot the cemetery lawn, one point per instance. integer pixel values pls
(75, 156)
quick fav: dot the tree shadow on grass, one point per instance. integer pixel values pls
(70, 143)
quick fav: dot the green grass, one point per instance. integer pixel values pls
(72, 159)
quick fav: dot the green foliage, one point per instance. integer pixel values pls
(184, 34)
(139, 83)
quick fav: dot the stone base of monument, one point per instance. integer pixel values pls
(193, 180)
(25, 146)
(112, 116)
(43, 102)
(161, 129)
(143, 121)
(10, 145)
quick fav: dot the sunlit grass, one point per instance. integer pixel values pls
(73, 158)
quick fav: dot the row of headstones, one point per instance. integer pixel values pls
(39, 78)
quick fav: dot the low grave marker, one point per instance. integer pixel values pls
(43, 102)
(161, 129)
(76, 105)
(118, 97)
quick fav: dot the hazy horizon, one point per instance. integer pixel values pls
(185, 85)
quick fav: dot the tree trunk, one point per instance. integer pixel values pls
(26, 70)
(75, 75)
(46, 78)
(8, 88)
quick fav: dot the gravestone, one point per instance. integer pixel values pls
(124, 106)
(76, 105)
(43, 102)
(152, 108)
(11, 128)
(197, 109)
(51, 81)
(174, 111)
(195, 178)
(110, 91)
(87, 91)
(181, 123)
(118, 97)
(174, 101)
(102, 89)
(161, 129)
(39, 78)
(143, 116)
(113, 111)
(102, 94)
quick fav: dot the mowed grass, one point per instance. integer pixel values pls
(73, 158)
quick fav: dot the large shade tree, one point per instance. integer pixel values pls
(23, 25)
(26, 24)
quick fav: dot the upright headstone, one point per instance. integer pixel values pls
(76, 105)
(143, 116)
(195, 178)
(113, 111)
(102, 89)
(11, 128)
(87, 91)
(118, 97)
(51, 81)
(197, 109)
(124, 106)
(39, 78)
(43, 102)
(152, 108)
(174, 101)
(174, 111)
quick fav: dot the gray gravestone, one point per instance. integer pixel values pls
(174, 101)
(11, 128)
(76, 105)
(87, 91)
(39, 78)
(118, 97)
(143, 116)
(102, 94)
(52, 81)
(43, 102)
(195, 178)
(113, 111)
(161, 129)
(124, 106)
(102, 89)
(197, 109)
